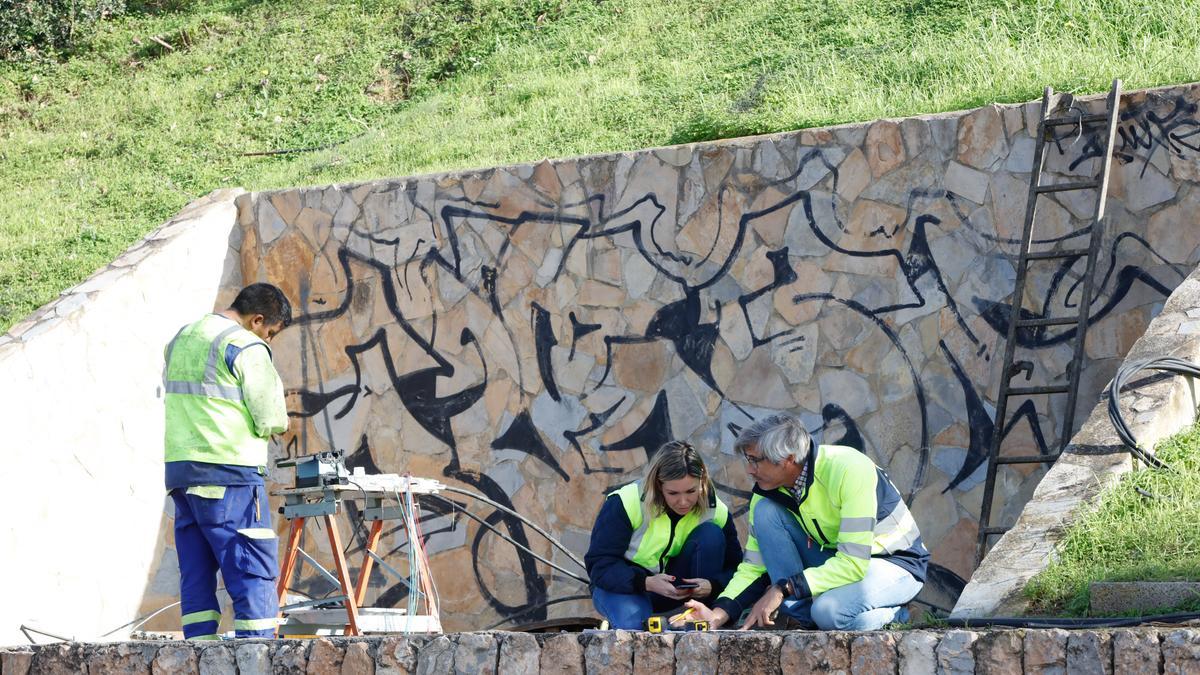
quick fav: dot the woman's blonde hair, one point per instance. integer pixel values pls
(675, 460)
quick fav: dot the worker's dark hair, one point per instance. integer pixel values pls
(264, 299)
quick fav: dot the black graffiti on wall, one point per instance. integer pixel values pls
(433, 404)
(1144, 129)
(1061, 297)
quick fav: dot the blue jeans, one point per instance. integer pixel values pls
(864, 605)
(701, 558)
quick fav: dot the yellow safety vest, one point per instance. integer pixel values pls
(654, 542)
(206, 418)
(839, 512)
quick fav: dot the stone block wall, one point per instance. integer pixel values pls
(535, 332)
(84, 540)
(1135, 651)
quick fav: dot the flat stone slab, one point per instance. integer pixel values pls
(1114, 597)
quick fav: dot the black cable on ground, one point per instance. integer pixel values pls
(505, 537)
(530, 610)
(557, 544)
(1169, 364)
(1072, 622)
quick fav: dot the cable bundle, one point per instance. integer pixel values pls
(1169, 364)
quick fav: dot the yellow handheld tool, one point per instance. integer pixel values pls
(681, 616)
(654, 624)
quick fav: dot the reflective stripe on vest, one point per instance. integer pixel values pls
(208, 386)
(897, 531)
(648, 546)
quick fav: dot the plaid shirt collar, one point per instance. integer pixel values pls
(798, 486)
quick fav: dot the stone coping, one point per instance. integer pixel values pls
(1137, 650)
(1095, 459)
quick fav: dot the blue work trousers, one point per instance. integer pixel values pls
(232, 534)
(701, 558)
(864, 605)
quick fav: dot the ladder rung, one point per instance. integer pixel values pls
(1054, 255)
(1056, 321)
(1073, 120)
(1027, 459)
(1063, 187)
(994, 530)
(1049, 389)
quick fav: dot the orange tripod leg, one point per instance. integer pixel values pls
(360, 593)
(289, 561)
(289, 557)
(343, 573)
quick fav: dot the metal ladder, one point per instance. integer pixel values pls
(1050, 102)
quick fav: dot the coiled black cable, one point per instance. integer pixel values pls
(534, 526)
(1169, 364)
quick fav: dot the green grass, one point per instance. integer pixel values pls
(1130, 537)
(98, 149)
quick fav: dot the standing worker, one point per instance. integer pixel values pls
(224, 401)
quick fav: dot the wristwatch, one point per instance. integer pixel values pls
(786, 587)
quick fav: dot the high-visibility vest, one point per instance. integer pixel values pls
(654, 541)
(852, 508)
(207, 419)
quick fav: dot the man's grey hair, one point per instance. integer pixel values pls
(776, 438)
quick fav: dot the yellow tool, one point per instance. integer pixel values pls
(654, 624)
(682, 615)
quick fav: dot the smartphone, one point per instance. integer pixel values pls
(684, 585)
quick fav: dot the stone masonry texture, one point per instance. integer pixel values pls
(535, 332)
(874, 654)
(1046, 651)
(515, 330)
(985, 652)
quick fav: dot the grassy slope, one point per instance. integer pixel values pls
(96, 151)
(1131, 537)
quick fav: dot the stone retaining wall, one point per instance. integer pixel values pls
(535, 332)
(919, 652)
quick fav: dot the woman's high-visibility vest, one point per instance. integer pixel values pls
(655, 541)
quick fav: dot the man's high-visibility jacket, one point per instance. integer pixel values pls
(224, 399)
(847, 504)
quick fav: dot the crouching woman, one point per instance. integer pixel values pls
(661, 541)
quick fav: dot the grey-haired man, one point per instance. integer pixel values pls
(831, 541)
